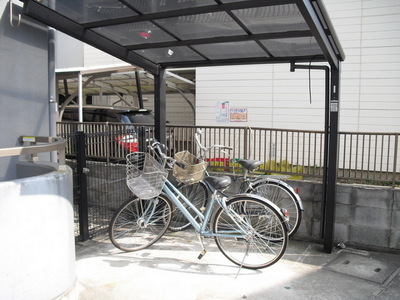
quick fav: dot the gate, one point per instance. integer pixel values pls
(99, 184)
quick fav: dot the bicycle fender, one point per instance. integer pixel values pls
(273, 205)
(280, 182)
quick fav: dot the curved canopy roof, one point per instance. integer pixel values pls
(154, 34)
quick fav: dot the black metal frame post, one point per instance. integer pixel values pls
(82, 186)
(330, 194)
(160, 106)
(141, 130)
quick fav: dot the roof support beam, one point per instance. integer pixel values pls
(308, 12)
(223, 39)
(111, 88)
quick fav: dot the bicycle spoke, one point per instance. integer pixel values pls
(282, 197)
(251, 233)
(139, 223)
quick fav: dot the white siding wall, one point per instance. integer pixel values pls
(369, 32)
(69, 51)
(96, 58)
(179, 111)
(275, 97)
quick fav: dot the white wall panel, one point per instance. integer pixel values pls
(369, 31)
(69, 51)
(96, 58)
(179, 111)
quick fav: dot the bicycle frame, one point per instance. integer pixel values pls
(174, 194)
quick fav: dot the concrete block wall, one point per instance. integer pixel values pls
(366, 216)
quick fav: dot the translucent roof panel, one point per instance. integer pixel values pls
(134, 33)
(151, 6)
(168, 55)
(278, 18)
(202, 25)
(88, 11)
(154, 34)
(230, 50)
(293, 47)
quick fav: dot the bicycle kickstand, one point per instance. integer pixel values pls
(203, 252)
(241, 265)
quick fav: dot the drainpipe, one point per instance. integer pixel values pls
(327, 216)
(53, 107)
(80, 98)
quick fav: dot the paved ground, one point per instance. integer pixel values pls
(170, 270)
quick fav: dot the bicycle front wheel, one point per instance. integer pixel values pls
(250, 232)
(197, 194)
(282, 197)
(139, 223)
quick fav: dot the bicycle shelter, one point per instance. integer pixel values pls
(158, 34)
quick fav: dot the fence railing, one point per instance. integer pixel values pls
(363, 157)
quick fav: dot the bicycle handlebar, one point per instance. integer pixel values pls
(156, 147)
(204, 150)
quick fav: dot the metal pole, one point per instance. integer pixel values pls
(82, 185)
(160, 106)
(80, 98)
(139, 89)
(330, 200)
(53, 107)
(142, 138)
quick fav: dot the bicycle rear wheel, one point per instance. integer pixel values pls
(251, 233)
(139, 223)
(282, 197)
(198, 194)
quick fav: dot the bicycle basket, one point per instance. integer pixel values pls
(145, 176)
(193, 172)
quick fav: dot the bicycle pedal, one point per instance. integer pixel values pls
(202, 253)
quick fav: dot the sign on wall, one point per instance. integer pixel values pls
(238, 114)
(222, 113)
(226, 114)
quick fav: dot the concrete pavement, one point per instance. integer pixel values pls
(170, 270)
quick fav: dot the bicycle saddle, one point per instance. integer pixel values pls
(218, 182)
(248, 164)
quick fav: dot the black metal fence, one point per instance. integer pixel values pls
(96, 151)
(99, 187)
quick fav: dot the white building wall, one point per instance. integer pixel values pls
(275, 97)
(272, 95)
(69, 51)
(24, 85)
(179, 112)
(95, 58)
